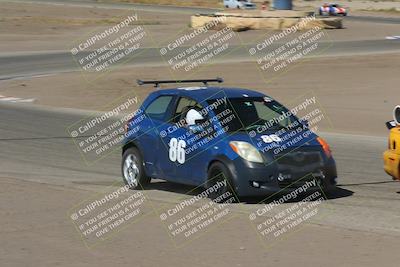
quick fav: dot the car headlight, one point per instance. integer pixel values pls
(246, 151)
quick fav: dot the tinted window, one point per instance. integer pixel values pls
(158, 108)
(255, 111)
(184, 105)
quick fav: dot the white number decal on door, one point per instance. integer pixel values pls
(271, 138)
(177, 150)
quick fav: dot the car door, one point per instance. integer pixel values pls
(170, 132)
(190, 157)
(165, 140)
(171, 136)
(157, 114)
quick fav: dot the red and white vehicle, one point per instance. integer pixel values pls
(332, 10)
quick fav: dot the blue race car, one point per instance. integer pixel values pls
(204, 135)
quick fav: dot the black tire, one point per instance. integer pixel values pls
(226, 6)
(238, 7)
(218, 172)
(134, 174)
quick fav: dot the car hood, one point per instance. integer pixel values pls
(288, 140)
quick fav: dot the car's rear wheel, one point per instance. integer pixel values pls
(132, 169)
(218, 173)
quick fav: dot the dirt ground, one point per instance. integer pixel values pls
(388, 5)
(51, 28)
(346, 87)
(41, 231)
(35, 226)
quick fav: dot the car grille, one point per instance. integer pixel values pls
(299, 159)
(298, 164)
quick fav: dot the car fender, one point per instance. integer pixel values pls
(134, 143)
(229, 164)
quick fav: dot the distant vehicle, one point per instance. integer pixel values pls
(239, 4)
(391, 156)
(332, 10)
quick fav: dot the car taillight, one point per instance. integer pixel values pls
(325, 147)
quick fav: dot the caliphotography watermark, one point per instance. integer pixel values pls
(284, 213)
(281, 131)
(111, 46)
(208, 206)
(199, 47)
(197, 127)
(100, 134)
(277, 53)
(104, 215)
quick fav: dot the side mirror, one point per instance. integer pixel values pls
(390, 124)
(396, 118)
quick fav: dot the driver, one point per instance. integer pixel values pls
(192, 115)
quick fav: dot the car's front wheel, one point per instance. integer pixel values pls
(132, 169)
(220, 178)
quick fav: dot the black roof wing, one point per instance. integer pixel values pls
(158, 82)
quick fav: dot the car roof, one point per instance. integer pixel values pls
(200, 93)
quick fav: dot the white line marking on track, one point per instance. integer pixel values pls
(394, 37)
(16, 99)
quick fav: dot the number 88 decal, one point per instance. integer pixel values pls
(177, 150)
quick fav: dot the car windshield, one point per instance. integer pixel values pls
(254, 113)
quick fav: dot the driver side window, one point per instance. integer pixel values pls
(183, 106)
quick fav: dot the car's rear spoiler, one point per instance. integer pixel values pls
(204, 81)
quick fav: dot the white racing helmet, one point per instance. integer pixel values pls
(192, 115)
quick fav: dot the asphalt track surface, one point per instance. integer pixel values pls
(21, 65)
(18, 65)
(34, 146)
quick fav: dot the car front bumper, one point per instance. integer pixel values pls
(256, 179)
(392, 164)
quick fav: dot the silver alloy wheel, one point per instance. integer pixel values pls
(131, 170)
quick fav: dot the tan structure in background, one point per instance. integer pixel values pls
(240, 20)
